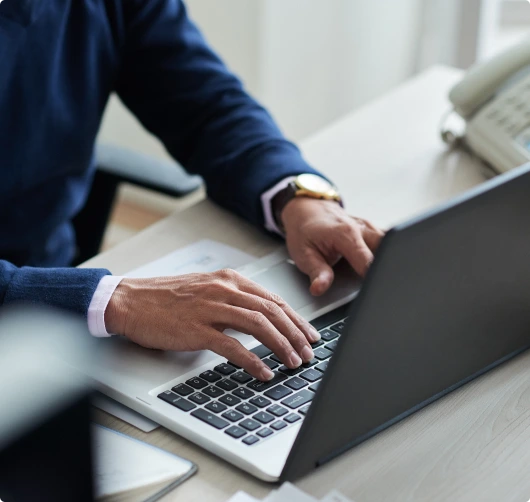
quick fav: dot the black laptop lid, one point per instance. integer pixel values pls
(448, 298)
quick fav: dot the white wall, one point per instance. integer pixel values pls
(308, 61)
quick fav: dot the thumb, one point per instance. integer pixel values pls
(319, 271)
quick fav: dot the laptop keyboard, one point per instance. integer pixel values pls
(248, 410)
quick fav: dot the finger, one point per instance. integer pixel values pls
(234, 351)
(353, 247)
(248, 286)
(256, 324)
(279, 318)
(320, 272)
(373, 239)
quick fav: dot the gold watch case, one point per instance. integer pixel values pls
(311, 185)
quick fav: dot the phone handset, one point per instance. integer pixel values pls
(483, 80)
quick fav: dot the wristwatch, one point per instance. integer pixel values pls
(304, 185)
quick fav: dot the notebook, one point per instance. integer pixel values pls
(130, 470)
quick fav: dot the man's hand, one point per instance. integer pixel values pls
(319, 233)
(190, 312)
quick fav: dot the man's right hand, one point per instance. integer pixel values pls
(190, 312)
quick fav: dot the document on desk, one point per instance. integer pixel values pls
(289, 492)
(202, 256)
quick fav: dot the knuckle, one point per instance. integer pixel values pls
(227, 345)
(258, 319)
(272, 310)
(226, 274)
(278, 300)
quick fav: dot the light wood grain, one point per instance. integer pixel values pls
(473, 445)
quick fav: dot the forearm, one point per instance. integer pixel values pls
(67, 288)
(183, 93)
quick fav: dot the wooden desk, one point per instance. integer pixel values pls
(473, 445)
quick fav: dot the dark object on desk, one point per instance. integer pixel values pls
(446, 300)
(116, 165)
(44, 418)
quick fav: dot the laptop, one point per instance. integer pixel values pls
(446, 299)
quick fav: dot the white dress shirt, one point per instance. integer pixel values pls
(107, 285)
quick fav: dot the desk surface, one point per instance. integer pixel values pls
(390, 164)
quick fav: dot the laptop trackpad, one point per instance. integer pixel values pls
(286, 280)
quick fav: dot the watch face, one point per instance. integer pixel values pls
(313, 183)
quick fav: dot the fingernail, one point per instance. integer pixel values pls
(266, 374)
(295, 359)
(315, 335)
(307, 354)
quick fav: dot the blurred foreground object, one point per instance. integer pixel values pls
(44, 407)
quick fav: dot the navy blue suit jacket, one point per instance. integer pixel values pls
(59, 62)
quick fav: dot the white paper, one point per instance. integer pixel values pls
(122, 463)
(336, 496)
(242, 497)
(124, 413)
(289, 492)
(202, 256)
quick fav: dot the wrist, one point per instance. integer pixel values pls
(116, 311)
(299, 209)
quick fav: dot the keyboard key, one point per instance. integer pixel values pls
(261, 351)
(182, 389)
(290, 372)
(235, 431)
(310, 363)
(296, 383)
(225, 369)
(305, 409)
(209, 418)
(299, 399)
(314, 345)
(279, 392)
(213, 391)
(322, 366)
(232, 415)
(263, 417)
(260, 402)
(249, 424)
(314, 387)
(229, 400)
(332, 345)
(265, 432)
(197, 383)
(177, 401)
(250, 440)
(243, 393)
(270, 363)
(199, 398)
(279, 425)
(246, 408)
(215, 407)
(323, 353)
(277, 410)
(338, 327)
(234, 365)
(311, 375)
(292, 418)
(260, 386)
(328, 335)
(226, 384)
(241, 377)
(210, 376)
(274, 357)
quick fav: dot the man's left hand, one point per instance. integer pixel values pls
(319, 233)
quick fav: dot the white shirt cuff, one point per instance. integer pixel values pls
(266, 202)
(98, 305)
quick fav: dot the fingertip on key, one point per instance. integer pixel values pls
(266, 374)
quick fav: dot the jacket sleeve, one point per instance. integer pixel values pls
(67, 288)
(182, 92)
